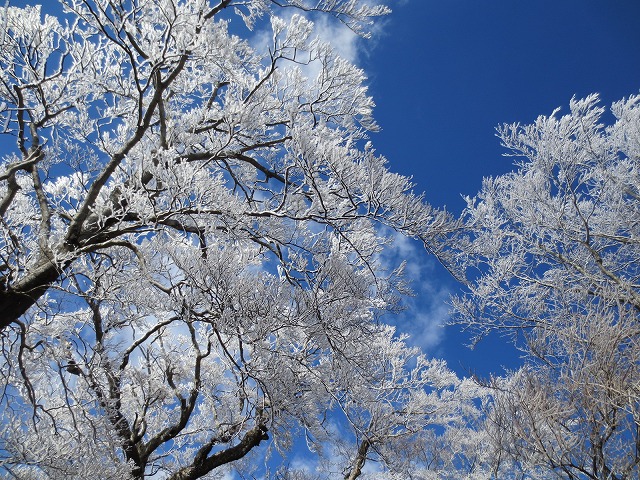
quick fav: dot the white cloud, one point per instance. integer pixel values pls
(344, 41)
(426, 313)
(426, 317)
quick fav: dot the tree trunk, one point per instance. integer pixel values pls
(23, 294)
(199, 469)
(359, 462)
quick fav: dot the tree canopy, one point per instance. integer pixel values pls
(191, 238)
(551, 256)
(193, 278)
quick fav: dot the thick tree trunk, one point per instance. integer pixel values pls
(23, 294)
(200, 468)
(359, 462)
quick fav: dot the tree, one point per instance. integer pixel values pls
(414, 406)
(189, 237)
(552, 257)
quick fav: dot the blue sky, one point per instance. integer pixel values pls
(444, 74)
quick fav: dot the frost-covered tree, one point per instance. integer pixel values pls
(189, 241)
(405, 422)
(552, 256)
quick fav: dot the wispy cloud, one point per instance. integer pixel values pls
(426, 316)
(426, 313)
(343, 40)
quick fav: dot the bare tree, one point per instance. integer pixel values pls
(552, 256)
(189, 237)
